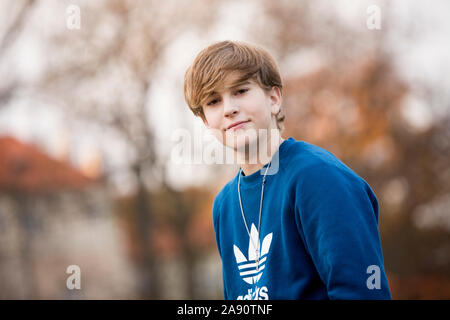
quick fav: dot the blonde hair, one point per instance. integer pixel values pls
(215, 62)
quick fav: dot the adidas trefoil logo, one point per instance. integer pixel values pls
(249, 269)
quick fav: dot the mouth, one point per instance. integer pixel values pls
(237, 125)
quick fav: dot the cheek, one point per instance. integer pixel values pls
(212, 118)
(259, 107)
(261, 113)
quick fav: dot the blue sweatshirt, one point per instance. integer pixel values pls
(319, 235)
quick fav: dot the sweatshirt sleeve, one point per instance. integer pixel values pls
(338, 213)
(215, 216)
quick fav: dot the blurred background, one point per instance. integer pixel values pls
(91, 93)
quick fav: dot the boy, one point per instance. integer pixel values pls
(306, 230)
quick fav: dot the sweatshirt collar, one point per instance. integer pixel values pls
(256, 177)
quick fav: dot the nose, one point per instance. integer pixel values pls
(230, 107)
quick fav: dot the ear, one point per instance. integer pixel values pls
(275, 100)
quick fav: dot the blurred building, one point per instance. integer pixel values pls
(52, 216)
(181, 242)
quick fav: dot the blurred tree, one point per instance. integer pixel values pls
(104, 72)
(9, 33)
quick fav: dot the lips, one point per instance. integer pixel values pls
(237, 124)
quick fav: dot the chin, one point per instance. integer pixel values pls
(241, 140)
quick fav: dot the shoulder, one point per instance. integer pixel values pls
(309, 163)
(303, 154)
(221, 198)
(324, 183)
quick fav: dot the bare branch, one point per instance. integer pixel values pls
(16, 26)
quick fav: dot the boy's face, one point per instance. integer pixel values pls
(245, 103)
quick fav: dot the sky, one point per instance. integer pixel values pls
(415, 38)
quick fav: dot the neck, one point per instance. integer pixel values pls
(271, 144)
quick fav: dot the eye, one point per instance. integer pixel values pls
(241, 91)
(212, 102)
